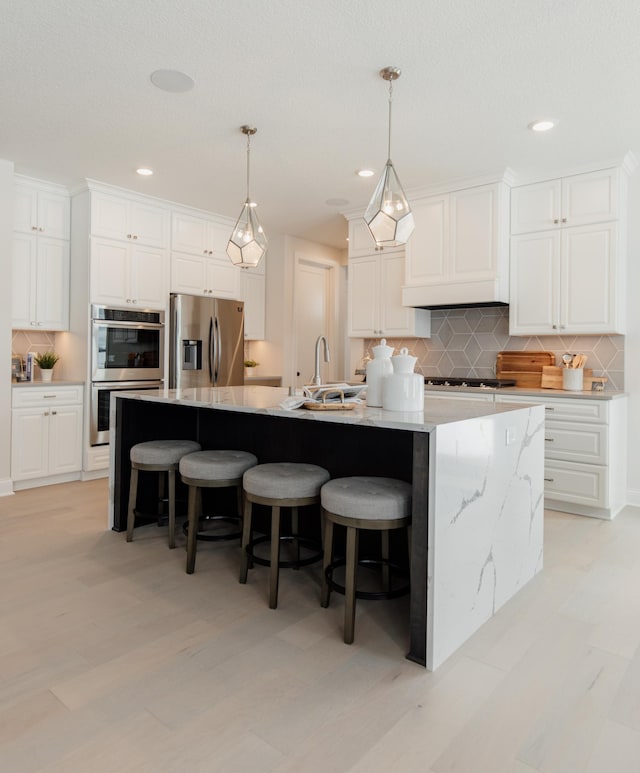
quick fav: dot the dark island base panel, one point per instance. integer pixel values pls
(342, 449)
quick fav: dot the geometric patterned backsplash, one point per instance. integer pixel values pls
(465, 342)
(23, 341)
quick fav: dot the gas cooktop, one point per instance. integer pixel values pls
(472, 383)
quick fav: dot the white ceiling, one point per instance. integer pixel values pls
(76, 100)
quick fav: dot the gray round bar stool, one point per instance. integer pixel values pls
(278, 485)
(362, 503)
(157, 456)
(211, 469)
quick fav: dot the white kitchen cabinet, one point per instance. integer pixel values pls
(117, 217)
(198, 235)
(581, 199)
(41, 210)
(40, 282)
(196, 275)
(458, 253)
(361, 242)
(374, 302)
(567, 281)
(585, 442)
(46, 434)
(126, 274)
(252, 289)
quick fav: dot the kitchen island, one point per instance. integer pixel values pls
(476, 471)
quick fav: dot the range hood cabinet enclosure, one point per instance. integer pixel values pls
(458, 255)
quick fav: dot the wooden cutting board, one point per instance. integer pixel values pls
(552, 378)
(524, 367)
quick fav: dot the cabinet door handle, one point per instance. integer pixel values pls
(205, 252)
(46, 397)
(128, 236)
(555, 327)
(40, 324)
(555, 220)
(549, 440)
(549, 480)
(53, 413)
(34, 227)
(548, 408)
(564, 219)
(46, 413)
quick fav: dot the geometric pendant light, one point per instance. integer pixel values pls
(389, 215)
(247, 243)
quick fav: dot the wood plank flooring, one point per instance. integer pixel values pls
(113, 659)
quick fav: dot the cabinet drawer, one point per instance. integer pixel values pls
(29, 397)
(561, 409)
(580, 484)
(576, 442)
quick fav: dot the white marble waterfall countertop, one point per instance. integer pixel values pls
(266, 400)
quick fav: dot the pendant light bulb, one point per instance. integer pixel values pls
(389, 215)
(247, 243)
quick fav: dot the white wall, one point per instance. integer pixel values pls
(6, 240)
(632, 342)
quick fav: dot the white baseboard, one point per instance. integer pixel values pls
(94, 474)
(6, 487)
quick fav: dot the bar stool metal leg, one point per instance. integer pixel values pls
(193, 531)
(328, 550)
(350, 584)
(133, 491)
(386, 573)
(274, 557)
(172, 508)
(246, 539)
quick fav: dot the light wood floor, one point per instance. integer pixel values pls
(113, 659)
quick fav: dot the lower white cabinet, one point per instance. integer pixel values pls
(585, 444)
(46, 434)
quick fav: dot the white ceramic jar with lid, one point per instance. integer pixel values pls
(377, 370)
(403, 390)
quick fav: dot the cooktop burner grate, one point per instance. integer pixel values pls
(472, 383)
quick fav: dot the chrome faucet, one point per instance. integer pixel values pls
(316, 380)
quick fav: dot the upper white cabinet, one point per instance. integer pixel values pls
(40, 283)
(581, 199)
(117, 217)
(198, 235)
(40, 257)
(361, 243)
(199, 275)
(41, 211)
(125, 274)
(459, 252)
(374, 302)
(567, 263)
(252, 292)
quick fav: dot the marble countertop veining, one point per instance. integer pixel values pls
(266, 400)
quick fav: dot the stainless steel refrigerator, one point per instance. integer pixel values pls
(206, 342)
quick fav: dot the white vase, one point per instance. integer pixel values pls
(377, 370)
(46, 374)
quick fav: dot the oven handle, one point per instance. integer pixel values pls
(218, 350)
(129, 325)
(210, 351)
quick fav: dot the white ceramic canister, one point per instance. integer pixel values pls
(403, 390)
(377, 370)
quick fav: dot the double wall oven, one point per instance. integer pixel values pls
(127, 352)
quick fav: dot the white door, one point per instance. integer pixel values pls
(396, 320)
(52, 284)
(65, 439)
(110, 272)
(29, 444)
(590, 198)
(535, 280)
(23, 279)
(363, 297)
(535, 207)
(149, 277)
(427, 252)
(314, 306)
(188, 274)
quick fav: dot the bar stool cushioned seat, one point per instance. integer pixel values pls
(157, 456)
(211, 469)
(361, 503)
(280, 484)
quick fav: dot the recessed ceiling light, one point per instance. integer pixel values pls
(337, 202)
(365, 172)
(172, 80)
(144, 172)
(541, 126)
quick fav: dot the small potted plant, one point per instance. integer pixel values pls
(45, 362)
(249, 365)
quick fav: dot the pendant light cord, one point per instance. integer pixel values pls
(248, 165)
(389, 138)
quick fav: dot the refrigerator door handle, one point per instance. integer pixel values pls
(210, 352)
(218, 349)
